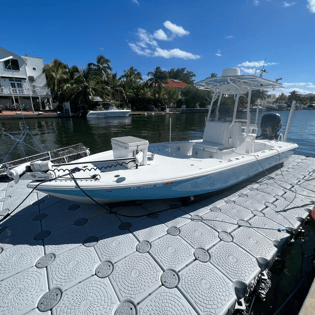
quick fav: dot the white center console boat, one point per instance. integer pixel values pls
(112, 111)
(228, 153)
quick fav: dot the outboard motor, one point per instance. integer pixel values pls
(270, 126)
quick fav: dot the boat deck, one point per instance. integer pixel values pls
(61, 257)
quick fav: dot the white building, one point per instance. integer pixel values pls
(22, 82)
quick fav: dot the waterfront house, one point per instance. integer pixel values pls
(22, 82)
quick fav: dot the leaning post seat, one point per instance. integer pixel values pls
(219, 135)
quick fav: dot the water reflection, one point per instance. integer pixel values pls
(97, 133)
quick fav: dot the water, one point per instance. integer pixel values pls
(96, 134)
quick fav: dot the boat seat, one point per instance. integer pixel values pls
(218, 136)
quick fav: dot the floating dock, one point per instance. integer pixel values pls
(60, 257)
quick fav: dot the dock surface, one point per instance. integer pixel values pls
(61, 257)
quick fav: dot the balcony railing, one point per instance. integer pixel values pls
(38, 91)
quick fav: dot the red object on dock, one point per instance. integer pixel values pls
(313, 214)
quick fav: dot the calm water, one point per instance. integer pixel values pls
(96, 134)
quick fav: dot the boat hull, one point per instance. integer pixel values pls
(108, 114)
(183, 188)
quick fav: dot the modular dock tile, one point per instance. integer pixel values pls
(37, 312)
(207, 289)
(57, 220)
(249, 204)
(148, 230)
(21, 233)
(260, 196)
(112, 264)
(234, 262)
(299, 200)
(236, 211)
(20, 293)
(131, 213)
(64, 239)
(116, 245)
(174, 217)
(89, 210)
(18, 258)
(17, 219)
(290, 208)
(198, 234)
(165, 301)
(15, 200)
(135, 277)
(282, 218)
(92, 296)
(255, 243)
(269, 229)
(273, 183)
(172, 252)
(220, 221)
(101, 225)
(72, 267)
(47, 202)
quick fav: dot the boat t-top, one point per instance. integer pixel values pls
(228, 153)
(112, 111)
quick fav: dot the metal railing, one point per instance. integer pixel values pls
(38, 91)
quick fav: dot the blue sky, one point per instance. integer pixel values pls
(204, 36)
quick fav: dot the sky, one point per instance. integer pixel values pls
(204, 36)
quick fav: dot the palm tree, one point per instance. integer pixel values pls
(57, 80)
(292, 96)
(258, 94)
(86, 86)
(102, 66)
(132, 75)
(157, 78)
(114, 85)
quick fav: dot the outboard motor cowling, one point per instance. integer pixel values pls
(270, 126)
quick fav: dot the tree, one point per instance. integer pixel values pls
(157, 78)
(57, 80)
(258, 94)
(213, 75)
(293, 96)
(132, 75)
(171, 96)
(281, 98)
(194, 97)
(116, 91)
(102, 66)
(181, 74)
(87, 85)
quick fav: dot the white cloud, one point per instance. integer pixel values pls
(101, 48)
(218, 53)
(135, 1)
(295, 84)
(288, 90)
(306, 85)
(146, 38)
(256, 64)
(248, 70)
(231, 36)
(174, 53)
(138, 50)
(287, 4)
(175, 29)
(256, 2)
(147, 45)
(311, 5)
(160, 34)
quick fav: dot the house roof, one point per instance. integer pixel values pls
(174, 84)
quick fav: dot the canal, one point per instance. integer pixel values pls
(96, 134)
